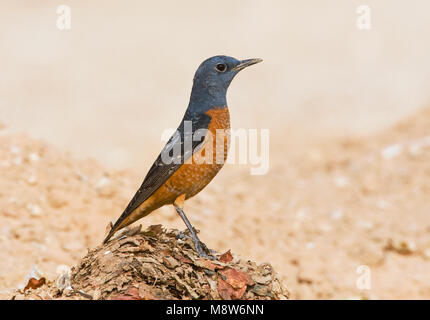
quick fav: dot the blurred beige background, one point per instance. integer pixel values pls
(329, 93)
(108, 87)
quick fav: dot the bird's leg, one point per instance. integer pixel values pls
(201, 248)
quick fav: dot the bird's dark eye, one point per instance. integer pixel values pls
(221, 67)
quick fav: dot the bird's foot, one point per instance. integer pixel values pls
(203, 250)
(200, 247)
(182, 236)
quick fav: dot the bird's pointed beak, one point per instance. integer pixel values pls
(246, 63)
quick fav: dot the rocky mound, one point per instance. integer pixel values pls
(155, 264)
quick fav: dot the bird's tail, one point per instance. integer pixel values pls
(130, 216)
(119, 224)
(110, 234)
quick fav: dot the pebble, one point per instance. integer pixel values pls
(302, 213)
(34, 209)
(17, 161)
(426, 253)
(341, 182)
(337, 214)
(392, 151)
(310, 245)
(382, 204)
(62, 269)
(365, 224)
(15, 149)
(102, 182)
(34, 273)
(32, 180)
(416, 147)
(33, 157)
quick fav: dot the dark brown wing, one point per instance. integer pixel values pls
(161, 171)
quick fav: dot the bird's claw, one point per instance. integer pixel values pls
(182, 235)
(203, 250)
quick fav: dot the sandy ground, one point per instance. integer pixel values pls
(317, 216)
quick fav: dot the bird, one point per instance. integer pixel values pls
(191, 157)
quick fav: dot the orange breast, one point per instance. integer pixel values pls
(198, 171)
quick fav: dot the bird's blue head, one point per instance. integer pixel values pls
(212, 80)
